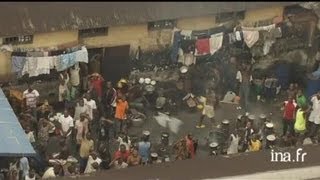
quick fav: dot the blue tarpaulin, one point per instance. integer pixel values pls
(13, 140)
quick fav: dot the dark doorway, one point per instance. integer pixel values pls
(95, 56)
(115, 64)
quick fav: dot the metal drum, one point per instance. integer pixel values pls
(165, 139)
(270, 141)
(269, 129)
(213, 148)
(225, 125)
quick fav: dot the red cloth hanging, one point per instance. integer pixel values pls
(203, 46)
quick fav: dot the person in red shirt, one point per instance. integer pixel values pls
(96, 81)
(289, 108)
(190, 145)
(122, 153)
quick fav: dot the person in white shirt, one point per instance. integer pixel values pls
(314, 117)
(81, 108)
(120, 164)
(244, 78)
(30, 135)
(93, 163)
(82, 127)
(24, 167)
(92, 105)
(75, 75)
(30, 97)
(66, 122)
(52, 172)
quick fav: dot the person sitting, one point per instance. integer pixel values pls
(134, 159)
(255, 144)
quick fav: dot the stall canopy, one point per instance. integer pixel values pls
(13, 140)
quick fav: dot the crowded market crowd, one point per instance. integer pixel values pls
(85, 124)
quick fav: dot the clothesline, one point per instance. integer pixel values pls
(35, 66)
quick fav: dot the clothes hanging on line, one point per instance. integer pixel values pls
(43, 65)
(261, 28)
(250, 37)
(17, 64)
(202, 47)
(82, 55)
(175, 46)
(186, 33)
(189, 59)
(215, 42)
(188, 45)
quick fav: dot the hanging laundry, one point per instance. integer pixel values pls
(188, 45)
(267, 45)
(232, 38)
(186, 33)
(30, 67)
(202, 46)
(35, 54)
(180, 56)
(17, 64)
(238, 36)
(175, 46)
(215, 42)
(189, 59)
(43, 65)
(82, 55)
(250, 37)
(262, 28)
(217, 30)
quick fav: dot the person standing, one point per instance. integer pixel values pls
(208, 110)
(81, 108)
(190, 145)
(86, 147)
(24, 167)
(110, 98)
(301, 99)
(121, 114)
(31, 97)
(300, 124)
(92, 109)
(314, 118)
(81, 127)
(75, 76)
(289, 116)
(63, 86)
(144, 149)
(96, 81)
(67, 126)
(234, 144)
(244, 78)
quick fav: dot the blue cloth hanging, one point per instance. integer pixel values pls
(175, 46)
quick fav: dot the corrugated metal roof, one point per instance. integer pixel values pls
(13, 139)
(35, 17)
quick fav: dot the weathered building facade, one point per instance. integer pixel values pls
(107, 26)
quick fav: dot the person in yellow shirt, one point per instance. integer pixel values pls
(86, 147)
(255, 144)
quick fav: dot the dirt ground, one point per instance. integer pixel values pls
(214, 167)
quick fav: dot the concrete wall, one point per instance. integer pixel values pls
(196, 23)
(134, 35)
(253, 16)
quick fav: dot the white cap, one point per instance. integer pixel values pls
(154, 155)
(147, 133)
(269, 125)
(141, 80)
(147, 80)
(214, 144)
(271, 137)
(262, 116)
(153, 82)
(225, 121)
(184, 69)
(252, 117)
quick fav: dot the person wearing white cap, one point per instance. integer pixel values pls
(208, 109)
(244, 77)
(144, 148)
(314, 117)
